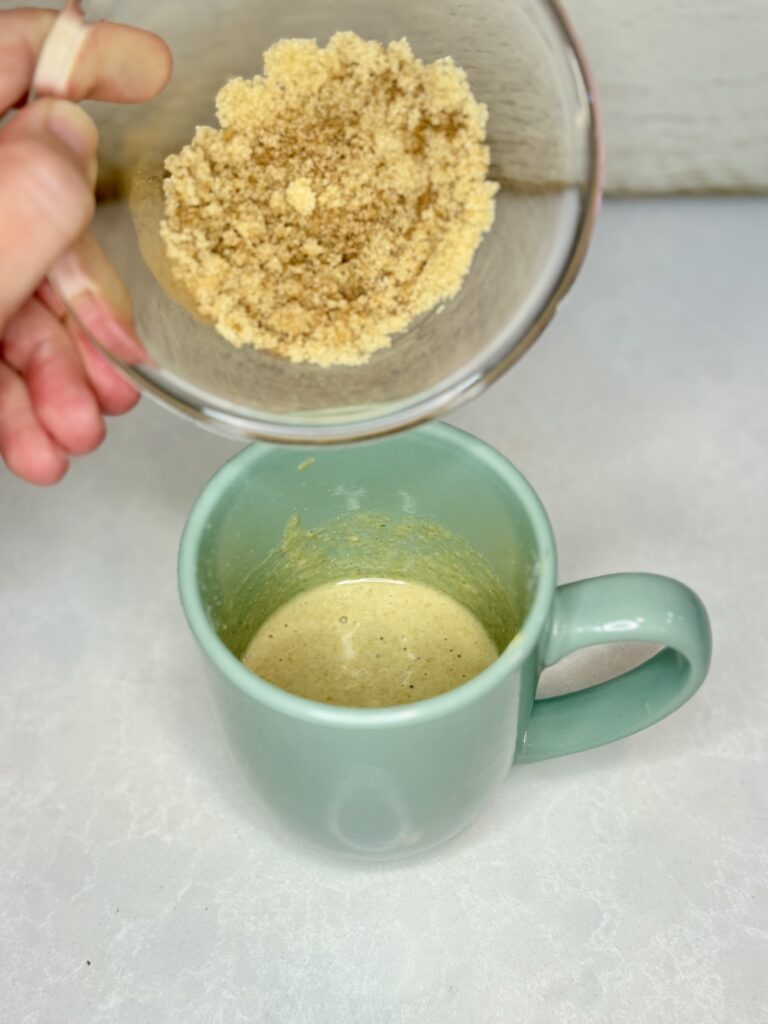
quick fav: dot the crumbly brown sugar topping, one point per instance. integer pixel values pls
(344, 195)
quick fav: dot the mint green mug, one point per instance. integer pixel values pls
(381, 783)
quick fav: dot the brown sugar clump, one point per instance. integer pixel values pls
(344, 195)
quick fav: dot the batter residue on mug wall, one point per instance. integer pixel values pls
(370, 643)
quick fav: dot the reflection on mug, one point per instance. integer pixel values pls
(369, 816)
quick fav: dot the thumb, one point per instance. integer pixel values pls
(46, 198)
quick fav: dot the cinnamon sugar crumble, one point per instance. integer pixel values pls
(344, 194)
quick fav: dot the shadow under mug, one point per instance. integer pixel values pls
(383, 783)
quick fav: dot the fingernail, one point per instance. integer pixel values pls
(70, 278)
(80, 293)
(104, 327)
(76, 130)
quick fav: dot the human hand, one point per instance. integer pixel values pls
(55, 387)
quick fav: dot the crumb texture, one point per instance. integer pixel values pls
(343, 195)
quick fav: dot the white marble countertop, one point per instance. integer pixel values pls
(138, 884)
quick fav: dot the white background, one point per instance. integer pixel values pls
(684, 86)
(621, 885)
(624, 885)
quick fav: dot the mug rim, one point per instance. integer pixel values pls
(258, 688)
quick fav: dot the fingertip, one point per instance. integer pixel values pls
(78, 424)
(143, 79)
(65, 405)
(163, 63)
(27, 450)
(101, 322)
(121, 400)
(33, 457)
(122, 64)
(48, 473)
(115, 394)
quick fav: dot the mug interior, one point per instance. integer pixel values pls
(434, 506)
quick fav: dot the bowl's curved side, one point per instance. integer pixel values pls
(350, 420)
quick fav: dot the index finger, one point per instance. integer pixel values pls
(117, 63)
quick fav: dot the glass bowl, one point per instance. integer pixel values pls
(544, 132)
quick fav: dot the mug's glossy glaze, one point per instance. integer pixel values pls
(389, 782)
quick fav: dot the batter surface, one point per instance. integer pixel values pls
(370, 643)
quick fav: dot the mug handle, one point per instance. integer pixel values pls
(626, 606)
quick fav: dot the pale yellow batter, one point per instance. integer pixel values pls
(370, 643)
